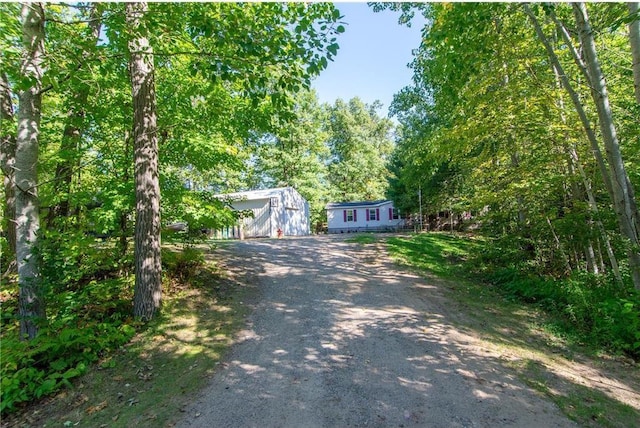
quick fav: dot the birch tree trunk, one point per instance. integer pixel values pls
(577, 103)
(31, 299)
(634, 40)
(7, 163)
(148, 282)
(575, 98)
(624, 197)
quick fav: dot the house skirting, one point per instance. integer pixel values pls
(372, 229)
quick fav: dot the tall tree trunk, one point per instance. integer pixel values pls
(634, 40)
(73, 128)
(148, 282)
(574, 163)
(123, 243)
(624, 198)
(7, 163)
(31, 299)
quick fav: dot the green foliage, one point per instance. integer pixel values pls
(84, 325)
(31, 370)
(88, 295)
(182, 265)
(361, 145)
(590, 309)
(72, 259)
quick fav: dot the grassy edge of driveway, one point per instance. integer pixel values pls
(520, 330)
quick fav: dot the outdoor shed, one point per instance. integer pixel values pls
(366, 216)
(282, 209)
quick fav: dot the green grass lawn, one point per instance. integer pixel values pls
(439, 253)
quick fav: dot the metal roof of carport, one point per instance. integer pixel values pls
(254, 194)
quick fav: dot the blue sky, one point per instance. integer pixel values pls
(373, 56)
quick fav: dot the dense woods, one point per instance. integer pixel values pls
(119, 119)
(524, 118)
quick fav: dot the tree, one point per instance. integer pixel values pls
(623, 194)
(634, 41)
(148, 285)
(75, 121)
(32, 305)
(7, 163)
(296, 154)
(361, 144)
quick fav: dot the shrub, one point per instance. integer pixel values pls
(39, 367)
(71, 259)
(184, 264)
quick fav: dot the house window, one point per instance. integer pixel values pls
(394, 214)
(372, 214)
(350, 215)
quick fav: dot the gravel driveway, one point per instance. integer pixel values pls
(339, 337)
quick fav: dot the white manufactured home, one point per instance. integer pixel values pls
(275, 212)
(372, 216)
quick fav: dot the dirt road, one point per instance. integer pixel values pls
(339, 337)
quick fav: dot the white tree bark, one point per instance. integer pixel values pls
(7, 163)
(148, 286)
(604, 170)
(634, 40)
(32, 308)
(624, 197)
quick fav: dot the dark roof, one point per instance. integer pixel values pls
(335, 205)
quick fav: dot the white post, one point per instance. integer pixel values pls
(420, 202)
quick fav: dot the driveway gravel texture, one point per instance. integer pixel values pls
(340, 336)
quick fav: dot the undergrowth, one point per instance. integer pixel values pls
(88, 291)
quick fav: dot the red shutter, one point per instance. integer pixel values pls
(378, 214)
(390, 213)
(355, 217)
(367, 212)
(344, 212)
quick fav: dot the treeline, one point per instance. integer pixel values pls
(120, 119)
(108, 110)
(104, 105)
(526, 117)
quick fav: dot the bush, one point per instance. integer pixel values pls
(89, 308)
(594, 309)
(71, 259)
(39, 367)
(182, 265)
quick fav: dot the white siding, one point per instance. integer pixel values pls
(260, 225)
(274, 209)
(336, 223)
